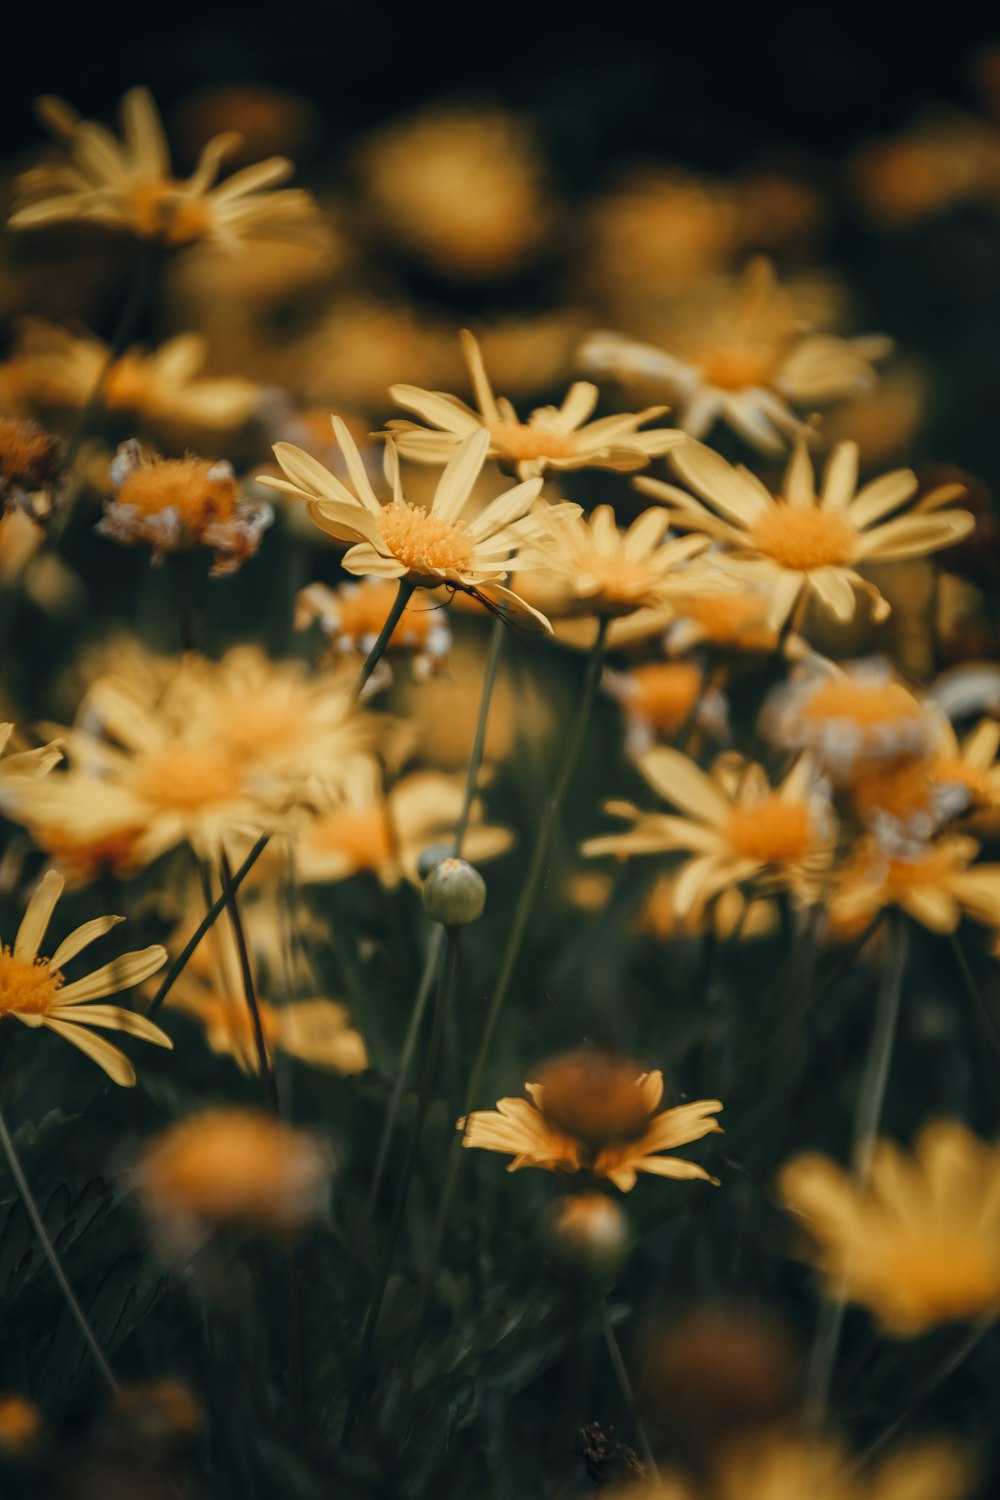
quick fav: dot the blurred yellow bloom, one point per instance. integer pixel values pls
(799, 543)
(729, 915)
(352, 615)
(554, 437)
(34, 992)
(17, 766)
(936, 884)
(21, 1424)
(230, 1167)
(595, 1114)
(737, 827)
(127, 185)
(749, 360)
(31, 466)
(848, 717)
(729, 622)
(918, 1244)
(659, 698)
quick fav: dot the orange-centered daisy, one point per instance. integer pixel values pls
(850, 717)
(935, 883)
(799, 544)
(553, 437)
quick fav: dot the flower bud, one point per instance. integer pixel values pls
(590, 1232)
(454, 893)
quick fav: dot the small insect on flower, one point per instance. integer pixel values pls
(180, 505)
(34, 992)
(230, 1167)
(595, 1113)
(918, 1244)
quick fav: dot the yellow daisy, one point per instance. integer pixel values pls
(799, 543)
(20, 765)
(34, 992)
(592, 1113)
(937, 884)
(918, 1244)
(31, 467)
(352, 615)
(554, 437)
(659, 698)
(127, 185)
(737, 828)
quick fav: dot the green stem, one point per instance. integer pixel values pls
(983, 1013)
(403, 591)
(425, 1092)
(866, 1124)
(210, 918)
(249, 991)
(522, 915)
(625, 1386)
(52, 1256)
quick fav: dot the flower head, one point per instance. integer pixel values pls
(799, 543)
(34, 991)
(848, 718)
(31, 467)
(352, 615)
(553, 437)
(594, 1113)
(919, 1242)
(935, 883)
(126, 185)
(658, 698)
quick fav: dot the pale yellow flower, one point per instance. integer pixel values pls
(918, 1243)
(850, 717)
(554, 437)
(34, 992)
(935, 883)
(595, 1114)
(127, 184)
(352, 614)
(729, 916)
(737, 827)
(17, 766)
(660, 698)
(798, 543)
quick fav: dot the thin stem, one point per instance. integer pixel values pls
(866, 1124)
(180, 963)
(983, 1013)
(427, 1081)
(246, 971)
(625, 1386)
(403, 591)
(51, 1255)
(522, 916)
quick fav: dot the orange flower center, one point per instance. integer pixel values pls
(735, 367)
(362, 837)
(28, 455)
(127, 387)
(255, 726)
(616, 584)
(868, 705)
(185, 485)
(81, 859)
(594, 1098)
(773, 832)
(28, 987)
(164, 210)
(185, 778)
(424, 543)
(20, 1423)
(733, 620)
(904, 789)
(800, 537)
(941, 1273)
(665, 693)
(363, 612)
(525, 441)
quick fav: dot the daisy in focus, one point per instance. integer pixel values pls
(181, 505)
(736, 827)
(918, 1244)
(554, 437)
(799, 543)
(591, 1112)
(747, 360)
(34, 991)
(127, 184)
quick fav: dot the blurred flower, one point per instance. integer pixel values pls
(180, 504)
(936, 884)
(52, 369)
(156, 1417)
(352, 615)
(590, 1231)
(461, 187)
(847, 716)
(265, 119)
(443, 712)
(940, 160)
(747, 361)
(18, 766)
(229, 1167)
(21, 1425)
(33, 991)
(127, 185)
(386, 830)
(737, 827)
(729, 622)
(918, 1243)
(798, 543)
(554, 437)
(730, 916)
(31, 467)
(658, 698)
(595, 1113)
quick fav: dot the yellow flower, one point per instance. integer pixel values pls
(427, 547)
(554, 437)
(386, 831)
(180, 504)
(52, 369)
(748, 361)
(352, 615)
(21, 1424)
(31, 467)
(230, 1167)
(729, 622)
(737, 827)
(798, 543)
(730, 915)
(21, 765)
(127, 185)
(658, 698)
(314, 1031)
(34, 992)
(601, 570)
(848, 717)
(936, 884)
(918, 1244)
(598, 1114)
